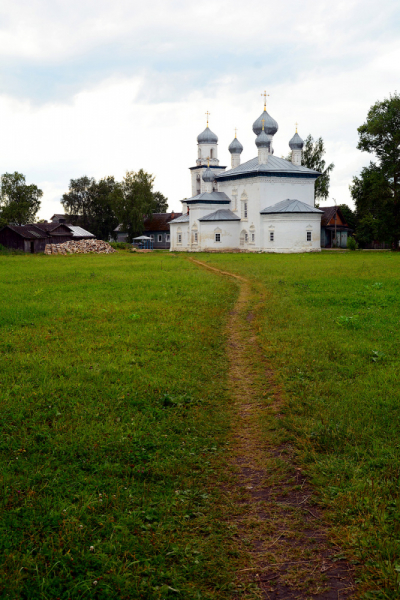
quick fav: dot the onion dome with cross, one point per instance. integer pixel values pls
(207, 136)
(270, 125)
(208, 174)
(235, 147)
(296, 143)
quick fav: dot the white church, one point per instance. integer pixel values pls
(263, 205)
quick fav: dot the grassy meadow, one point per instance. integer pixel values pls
(331, 331)
(113, 417)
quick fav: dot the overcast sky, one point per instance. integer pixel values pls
(98, 87)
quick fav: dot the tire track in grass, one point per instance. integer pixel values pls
(277, 525)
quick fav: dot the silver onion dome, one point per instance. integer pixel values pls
(270, 125)
(208, 175)
(263, 140)
(296, 143)
(207, 137)
(235, 147)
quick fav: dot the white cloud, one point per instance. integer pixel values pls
(141, 76)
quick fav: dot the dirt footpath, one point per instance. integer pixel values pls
(290, 552)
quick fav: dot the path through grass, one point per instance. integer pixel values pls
(330, 331)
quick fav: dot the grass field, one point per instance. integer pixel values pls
(331, 332)
(115, 416)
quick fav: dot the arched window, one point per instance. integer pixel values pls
(211, 153)
(199, 152)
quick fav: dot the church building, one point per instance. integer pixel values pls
(263, 205)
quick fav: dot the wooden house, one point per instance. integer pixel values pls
(333, 220)
(156, 226)
(27, 238)
(33, 238)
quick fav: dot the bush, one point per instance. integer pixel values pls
(120, 245)
(351, 243)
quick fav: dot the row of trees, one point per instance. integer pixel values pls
(376, 191)
(98, 206)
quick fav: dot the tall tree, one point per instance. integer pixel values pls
(373, 198)
(19, 202)
(89, 204)
(312, 157)
(380, 135)
(77, 201)
(133, 201)
(160, 203)
(349, 215)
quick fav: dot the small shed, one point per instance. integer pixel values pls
(28, 238)
(333, 220)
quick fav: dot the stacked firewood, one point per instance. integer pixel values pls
(80, 247)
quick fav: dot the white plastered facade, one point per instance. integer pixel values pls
(244, 192)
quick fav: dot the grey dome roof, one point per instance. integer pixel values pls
(263, 140)
(235, 147)
(207, 137)
(208, 175)
(296, 143)
(270, 125)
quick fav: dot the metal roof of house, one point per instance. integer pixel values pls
(208, 198)
(182, 219)
(223, 214)
(290, 206)
(275, 166)
(79, 231)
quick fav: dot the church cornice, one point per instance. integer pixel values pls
(268, 175)
(205, 167)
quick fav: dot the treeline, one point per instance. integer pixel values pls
(376, 191)
(98, 206)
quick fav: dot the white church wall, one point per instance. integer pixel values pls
(289, 232)
(276, 189)
(219, 235)
(179, 237)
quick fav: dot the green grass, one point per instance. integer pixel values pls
(113, 419)
(114, 416)
(331, 331)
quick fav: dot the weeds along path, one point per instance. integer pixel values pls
(278, 528)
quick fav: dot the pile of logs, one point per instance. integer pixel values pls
(80, 247)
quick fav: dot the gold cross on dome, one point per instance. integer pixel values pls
(296, 126)
(208, 161)
(265, 98)
(208, 114)
(263, 121)
(235, 131)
